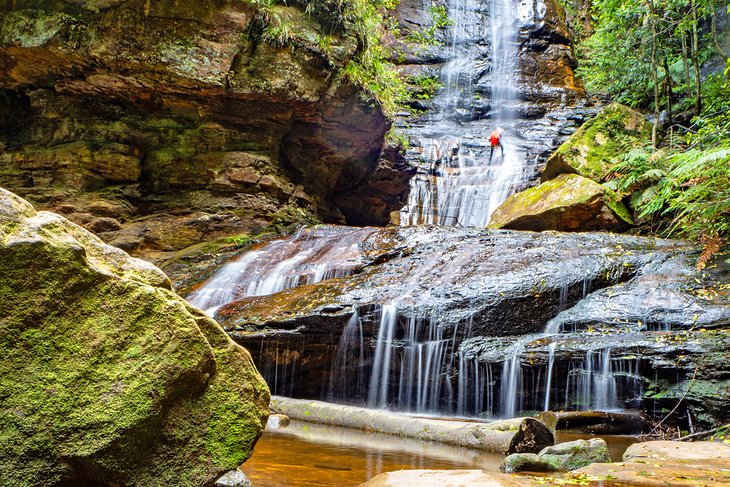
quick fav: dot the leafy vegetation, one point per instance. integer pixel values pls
(684, 194)
(439, 20)
(424, 87)
(649, 54)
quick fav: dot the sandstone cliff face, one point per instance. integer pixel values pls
(160, 124)
(106, 376)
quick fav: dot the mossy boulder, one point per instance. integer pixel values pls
(591, 150)
(106, 375)
(567, 203)
(562, 457)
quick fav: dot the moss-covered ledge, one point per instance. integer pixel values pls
(590, 151)
(567, 203)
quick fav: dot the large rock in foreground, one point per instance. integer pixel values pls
(673, 463)
(106, 375)
(566, 203)
(591, 149)
(447, 478)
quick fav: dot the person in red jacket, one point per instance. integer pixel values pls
(495, 139)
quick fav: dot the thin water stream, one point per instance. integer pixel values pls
(308, 454)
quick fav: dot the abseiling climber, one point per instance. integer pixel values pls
(495, 139)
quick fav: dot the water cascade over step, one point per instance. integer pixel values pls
(462, 182)
(423, 326)
(312, 255)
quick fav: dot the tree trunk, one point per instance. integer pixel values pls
(713, 27)
(519, 435)
(695, 58)
(597, 422)
(655, 77)
(685, 62)
(668, 90)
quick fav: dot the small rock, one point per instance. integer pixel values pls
(525, 462)
(278, 421)
(234, 478)
(563, 457)
(576, 454)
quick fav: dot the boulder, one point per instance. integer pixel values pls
(567, 203)
(591, 149)
(576, 454)
(106, 375)
(562, 457)
(447, 478)
(660, 463)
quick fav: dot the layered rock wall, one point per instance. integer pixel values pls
(160, 124)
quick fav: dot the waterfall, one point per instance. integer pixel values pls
(459, 185)
(380, 375)
(549, 380)
(349, 357)
(313, 255)
(511, 383)
(604, 384)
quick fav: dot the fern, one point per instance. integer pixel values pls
(694, 194)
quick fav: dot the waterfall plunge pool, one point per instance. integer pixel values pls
(309, 454)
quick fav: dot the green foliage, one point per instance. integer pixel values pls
(439, 20)
(713, 126)
(424, 87)
(370, 69)
(622, 56)
(394, 137)
(683, 194)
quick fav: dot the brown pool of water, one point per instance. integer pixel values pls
(308, 454)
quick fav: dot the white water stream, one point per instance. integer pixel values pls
(462, 183)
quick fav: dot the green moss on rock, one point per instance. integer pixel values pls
(568, 203)
(106, 375)
(590, 151)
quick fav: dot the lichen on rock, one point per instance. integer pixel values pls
(567, 203)
(106, 375)
(590, 151)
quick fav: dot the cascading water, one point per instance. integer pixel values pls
(511, 383)
(549, 383)
(311, 256)
(410, 369)
(462, 183)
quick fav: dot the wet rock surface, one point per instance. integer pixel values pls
(158, 125)
(490, 280)
(658, 463)
(486, 294)
(106, 376)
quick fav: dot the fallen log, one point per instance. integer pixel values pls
(518, 435)
(597, 422)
